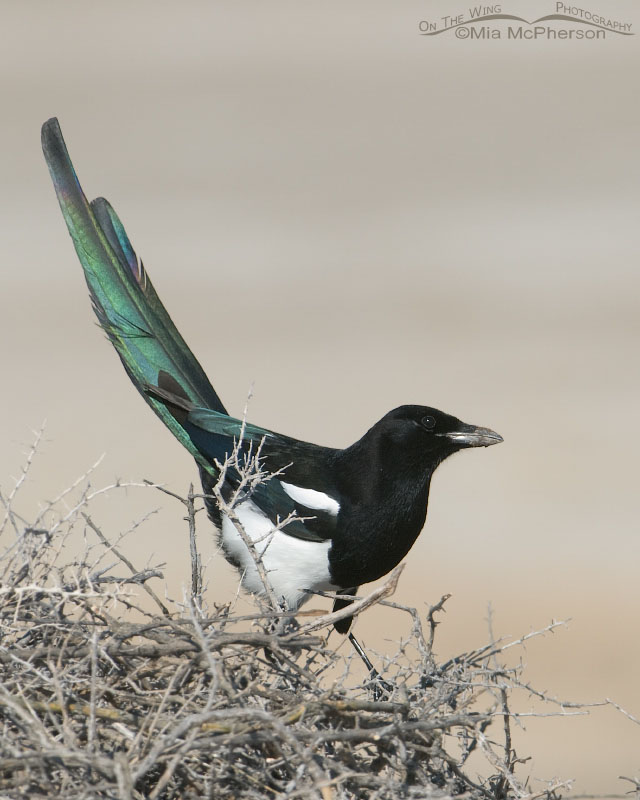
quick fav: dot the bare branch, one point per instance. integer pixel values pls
(101, 699)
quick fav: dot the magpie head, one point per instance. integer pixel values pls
(429, 435)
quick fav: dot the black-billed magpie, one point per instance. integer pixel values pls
(357, 510)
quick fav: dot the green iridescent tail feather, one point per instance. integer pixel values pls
(123, 297)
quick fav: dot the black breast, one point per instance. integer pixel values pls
(374, 534)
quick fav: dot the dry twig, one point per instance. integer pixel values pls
(101, 699)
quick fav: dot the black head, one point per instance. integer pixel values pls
(384, 479)
(426, 435)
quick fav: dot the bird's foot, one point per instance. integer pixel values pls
(286, 625)
(380, 689)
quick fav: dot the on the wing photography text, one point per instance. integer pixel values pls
(564, 22)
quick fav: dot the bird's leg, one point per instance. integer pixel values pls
(380, 686)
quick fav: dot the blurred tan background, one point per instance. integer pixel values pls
(352, 216)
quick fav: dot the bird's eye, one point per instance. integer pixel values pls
(428, 422)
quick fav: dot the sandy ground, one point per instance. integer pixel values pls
(351, 216)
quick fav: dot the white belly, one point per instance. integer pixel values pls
(292, 565)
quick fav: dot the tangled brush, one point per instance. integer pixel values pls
(102, 697)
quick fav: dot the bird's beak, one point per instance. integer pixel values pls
(471, 436)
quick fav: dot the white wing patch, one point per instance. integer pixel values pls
(292, 564)
(312, 498)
